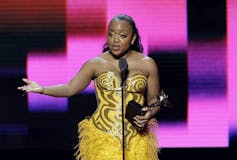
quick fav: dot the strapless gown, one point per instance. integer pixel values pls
(100, 136)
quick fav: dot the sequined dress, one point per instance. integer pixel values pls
(100, 135)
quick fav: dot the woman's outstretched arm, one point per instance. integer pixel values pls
(74, 86)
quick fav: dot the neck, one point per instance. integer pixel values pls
(125, 55)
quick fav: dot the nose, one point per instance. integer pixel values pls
(116, 39)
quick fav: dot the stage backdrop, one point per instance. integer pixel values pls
(192, 41)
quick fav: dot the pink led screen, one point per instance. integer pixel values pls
(163, 27)
(232, 64)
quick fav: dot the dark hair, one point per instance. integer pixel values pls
(137, 46)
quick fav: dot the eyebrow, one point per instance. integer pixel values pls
(123, 30)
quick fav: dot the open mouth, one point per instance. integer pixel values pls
(115, 47)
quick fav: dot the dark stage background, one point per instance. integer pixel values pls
(192, 41)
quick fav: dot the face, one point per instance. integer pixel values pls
(120, 37)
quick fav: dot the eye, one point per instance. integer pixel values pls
(123, 36)
(110, 34)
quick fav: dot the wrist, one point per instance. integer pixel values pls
(154, 105)
(152, 113)
(154, 110)
(42, 90)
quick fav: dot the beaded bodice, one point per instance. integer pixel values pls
(108, 115)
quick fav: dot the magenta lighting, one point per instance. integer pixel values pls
(163, 27)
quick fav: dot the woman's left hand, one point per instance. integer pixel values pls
(141, 121)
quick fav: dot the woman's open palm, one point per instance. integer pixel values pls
(31, 86)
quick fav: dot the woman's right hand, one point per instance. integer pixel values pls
(31, 86)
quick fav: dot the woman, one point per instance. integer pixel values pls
(100, 135)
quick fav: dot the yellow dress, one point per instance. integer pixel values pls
(100, 135)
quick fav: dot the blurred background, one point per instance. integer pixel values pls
(192, 41)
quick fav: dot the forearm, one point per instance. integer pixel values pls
(154, 110)
(154, 105)
(61, 90)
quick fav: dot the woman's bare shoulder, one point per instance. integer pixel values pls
(148, 63)
(96, 60)
(95, 64)
(146, 60)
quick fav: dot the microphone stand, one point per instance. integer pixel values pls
(123, 65)
(123, 132)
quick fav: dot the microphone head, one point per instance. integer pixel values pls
(123, 65)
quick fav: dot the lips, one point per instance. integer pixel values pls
(115, 47)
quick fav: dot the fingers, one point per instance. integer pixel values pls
(140, 118)
(140, 121)
(24, 88)
(139, 125)
(145, 109)
(27, 81)
(20, 88)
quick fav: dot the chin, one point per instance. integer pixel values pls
(116, 54)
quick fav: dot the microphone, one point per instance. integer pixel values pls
(123, 65)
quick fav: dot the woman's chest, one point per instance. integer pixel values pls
(112, 81)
